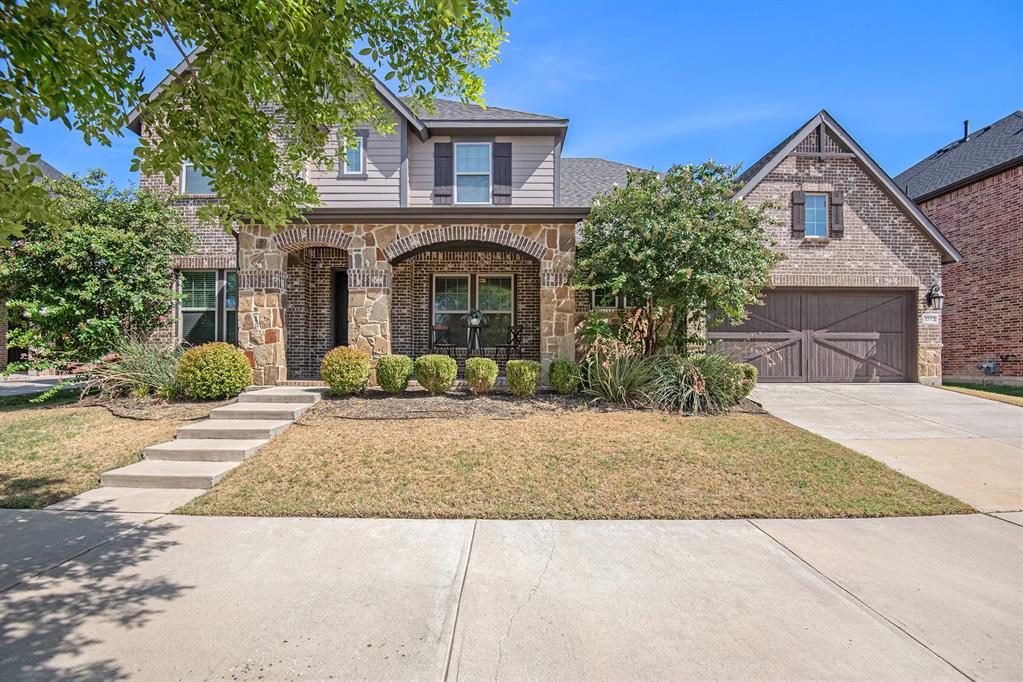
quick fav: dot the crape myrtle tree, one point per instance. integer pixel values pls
(100, 271)
(681, 250)
(263, 86)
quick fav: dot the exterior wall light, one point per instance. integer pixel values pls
(935, 298)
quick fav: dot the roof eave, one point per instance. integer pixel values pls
(445, 214)
(969, 180)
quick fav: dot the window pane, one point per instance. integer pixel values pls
(496, 330)
(495, 294)
(231, 290)
(602, 298)
(353, 156)
(199, 327)
(458, 329)
(472, 158)
(816, 215)
(199, 289)
(473, 189)
(451, 293)
(196, 182)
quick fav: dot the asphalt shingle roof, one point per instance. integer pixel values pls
(584, 178)
(448, 110)
(46, 169)
(998, 144)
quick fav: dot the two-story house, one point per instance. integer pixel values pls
(476, 209)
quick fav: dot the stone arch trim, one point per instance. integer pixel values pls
(464, 233)
(307, 236)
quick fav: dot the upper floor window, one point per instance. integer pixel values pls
(193, 181)
(816, 215)
(354, 158)
(472, 173)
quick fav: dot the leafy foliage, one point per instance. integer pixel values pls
(263, 86)
(523, 377)
(436, 373)
(564, 376)
(706, 383)
(137, 369)
(213, 371)
(393, 373)
(346, 370)
(480, 374)
(679, 248)
(617, 372)
(102, 272)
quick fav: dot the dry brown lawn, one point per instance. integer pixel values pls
(578, 464)
(52, 453)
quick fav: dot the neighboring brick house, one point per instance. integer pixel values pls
(849, 300)
(475, 208)
(972, 189)
(47, 171)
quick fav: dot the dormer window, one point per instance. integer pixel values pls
(193, 181)
(817, 215)
(472, 173)
(353, 161)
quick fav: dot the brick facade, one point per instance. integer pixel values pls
(309, 302)
(411, 308)
(881, 248)
(983, 315)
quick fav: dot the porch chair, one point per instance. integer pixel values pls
(514, 343)
(440, 340)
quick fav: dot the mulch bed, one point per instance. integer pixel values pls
(151, 409)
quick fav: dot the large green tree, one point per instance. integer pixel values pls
(264, 85)
(99, 272)
(682, 251)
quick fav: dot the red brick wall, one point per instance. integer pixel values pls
(983, 315)
(309, 322)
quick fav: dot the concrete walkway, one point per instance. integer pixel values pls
(150, 597)
(968, 447)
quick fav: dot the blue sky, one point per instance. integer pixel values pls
(655, 83)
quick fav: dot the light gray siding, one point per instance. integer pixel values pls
(380, 187)
(533, 177)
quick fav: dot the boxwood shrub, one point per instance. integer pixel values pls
(213, 371)
(345, 370)
(436, 373)
(523, 377)
(480, 374)
(564, 376)
(393, 373)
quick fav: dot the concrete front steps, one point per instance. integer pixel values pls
(205, 451)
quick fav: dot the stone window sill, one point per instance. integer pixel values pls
(815, 241)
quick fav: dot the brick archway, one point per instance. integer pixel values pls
(464, 233)
(307, 236)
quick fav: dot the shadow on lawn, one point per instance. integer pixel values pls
(60, 572)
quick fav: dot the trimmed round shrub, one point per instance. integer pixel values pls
(346, 370)
(480, 374)
(393, 373)
(564, 376)
(747, 379)
(213, 371)
(436, 373)
(523, 377)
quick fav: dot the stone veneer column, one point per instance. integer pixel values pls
(557, 319)
(369, 309)
(262, 281)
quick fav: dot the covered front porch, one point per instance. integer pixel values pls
(408, 289)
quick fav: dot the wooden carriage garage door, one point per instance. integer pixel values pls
(824, 335)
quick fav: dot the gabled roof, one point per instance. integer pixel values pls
(985, 152)
(584, 178)
(759, 170)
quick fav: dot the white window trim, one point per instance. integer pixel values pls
(489, 173)
(594, 306)
(497, 274)
(827, 218)
(181, 183)
(345, 170)
(433, 301)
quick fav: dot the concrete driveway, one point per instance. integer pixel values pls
(94, 596)
(968, 447)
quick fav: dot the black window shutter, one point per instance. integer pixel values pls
(443, 173)
(502, 173)
(837, 215)
(798, 214)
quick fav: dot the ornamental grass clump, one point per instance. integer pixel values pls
(523, 377)
(705, 383)
(137, 369)
(394, 372)
(213, 371)
(436, 373)
(480, 375)
(616, 372)
(345, 370)
(564, 376)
